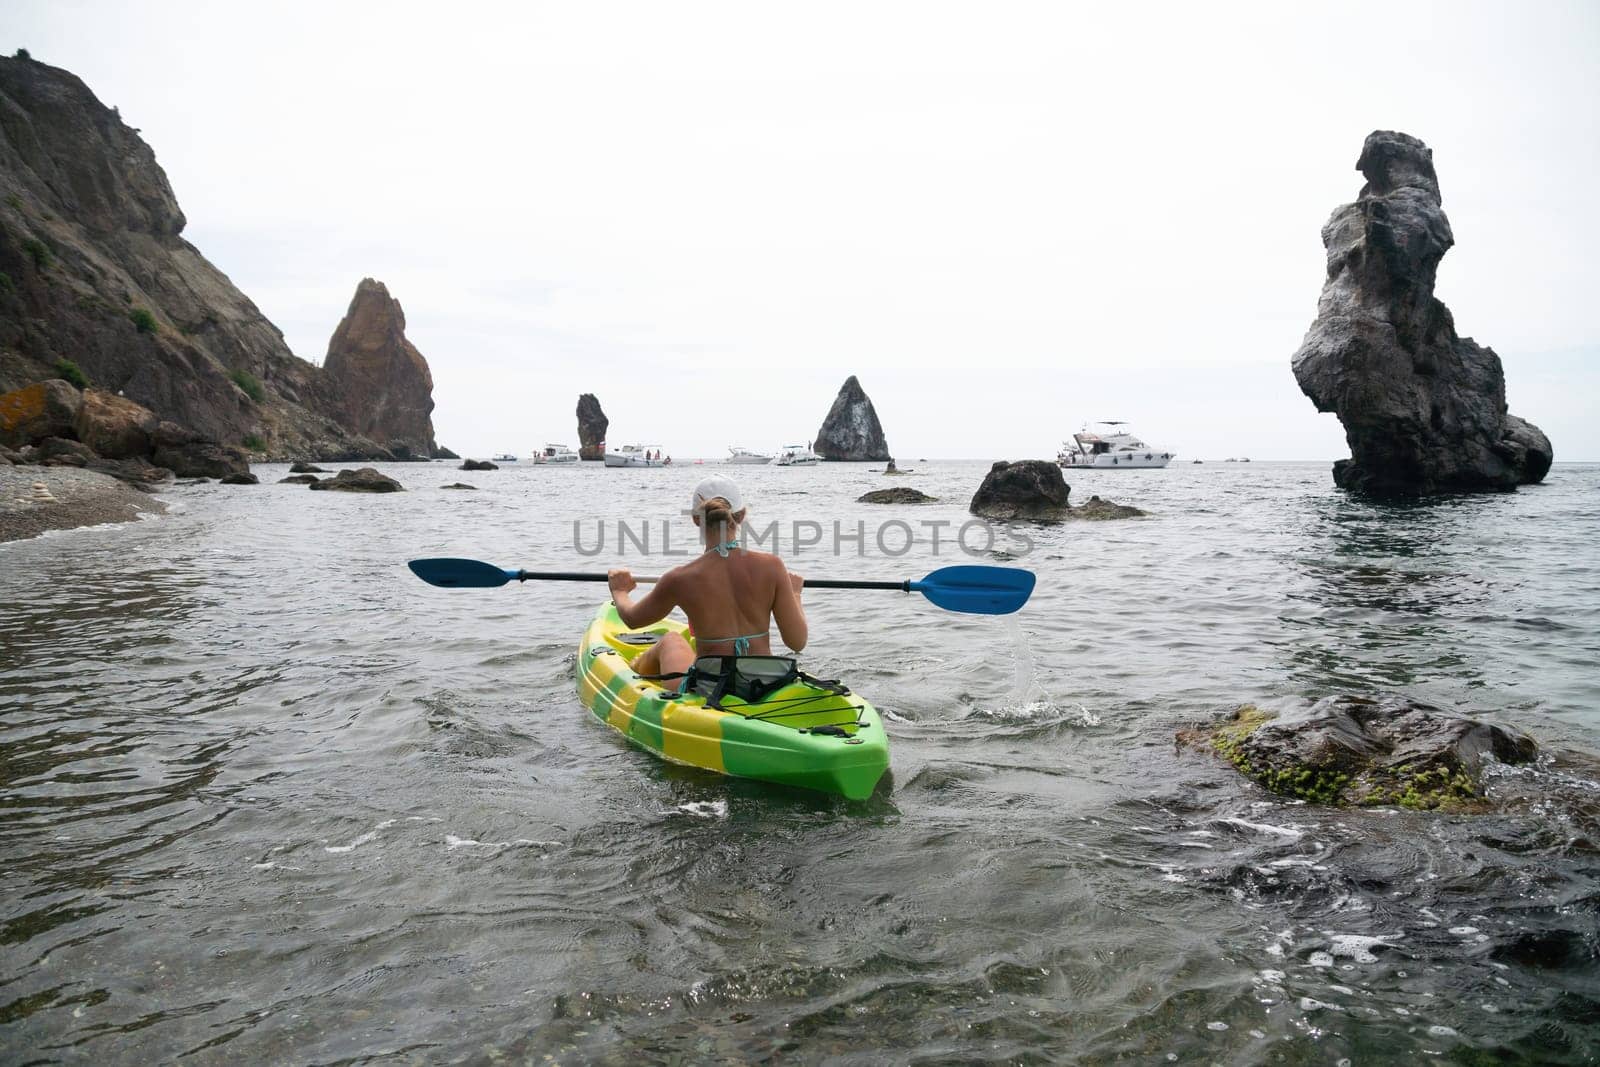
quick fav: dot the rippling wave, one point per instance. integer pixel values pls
(268, 797)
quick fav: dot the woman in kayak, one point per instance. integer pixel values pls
(730, 593)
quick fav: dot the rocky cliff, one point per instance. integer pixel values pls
(93, 270)
(851, 430)
(592, 424)
(1424, 410)
(385, 384)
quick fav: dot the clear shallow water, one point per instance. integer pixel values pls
(269, 797)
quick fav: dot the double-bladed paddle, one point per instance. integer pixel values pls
(972, 589)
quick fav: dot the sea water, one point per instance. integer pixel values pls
(269, 797)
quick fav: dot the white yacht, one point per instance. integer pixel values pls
(797, 456)
(737, 454)
(555, 454)
(637, 456)
(504, 457)
(1111, 449)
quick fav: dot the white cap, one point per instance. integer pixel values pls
(713, 487)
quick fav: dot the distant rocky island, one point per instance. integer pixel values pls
(1424, 410)
(851, 431)
(97, 285)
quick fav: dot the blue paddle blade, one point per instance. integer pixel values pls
(461, 573)
(978, 590)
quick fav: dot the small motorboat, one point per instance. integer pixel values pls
(1112, 449)
(637, 456)
(797, 456)
(555, 454)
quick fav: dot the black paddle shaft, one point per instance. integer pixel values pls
(810, 583)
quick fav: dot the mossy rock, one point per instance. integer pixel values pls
(1359, 751)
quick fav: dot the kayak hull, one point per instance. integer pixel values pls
(772, 740)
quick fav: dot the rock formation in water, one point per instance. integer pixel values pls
(898, 495)
(365, 480)
(1034, 490)
(851, 430)
(1028, 489)
(93, 270)
(592, 425)
(1365, 751)
(384, 383)
(1423, 409)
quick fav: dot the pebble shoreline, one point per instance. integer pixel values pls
(81, 498)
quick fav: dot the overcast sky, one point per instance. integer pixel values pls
(1006, 219)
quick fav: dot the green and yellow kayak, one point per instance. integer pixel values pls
(803, 734)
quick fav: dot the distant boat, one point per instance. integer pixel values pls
(504, 457)
(797, 456)
(636, 456)
(1111, 450)
(736, 454)
(555, 454)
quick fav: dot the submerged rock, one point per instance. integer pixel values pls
(305, 468)
(592, 425)
(364, 480)
(898, 495)
(1424, 410)
(479, 465)
(245, 478)
(1365, 751)
(1027, 489)
(851, 430)
(458, 485)
(385, 383)
(299, 479)
(1095, 508)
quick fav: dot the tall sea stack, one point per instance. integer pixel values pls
(851, 430)
(385, 383)
(592, 423)
(1424, 410)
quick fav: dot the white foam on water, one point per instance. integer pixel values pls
(352, 846)
(1257, 1034)
(1463, 931)
(703, 809)
(366, 838)
(452, 842)
(1441, 1031)
(1266, 828)
(1313, 1004)
(1216, 1025)
(1346, 990)
(1358, 947)
(1320, 959)
(1272, 976)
